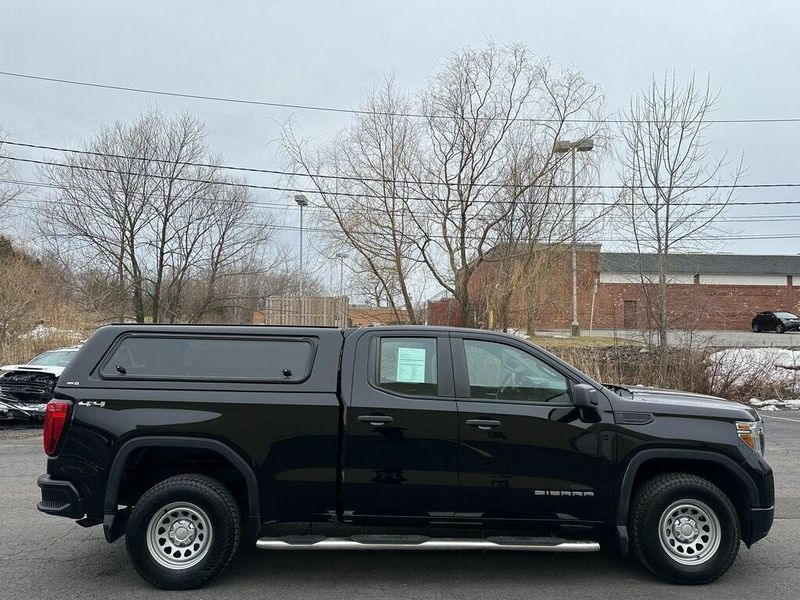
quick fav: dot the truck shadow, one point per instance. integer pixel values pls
(424, 568)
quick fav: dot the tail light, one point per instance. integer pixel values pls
(55, 419)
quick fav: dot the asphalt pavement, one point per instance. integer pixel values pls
(679, 338)
(45, 557)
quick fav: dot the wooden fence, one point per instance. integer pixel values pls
(318, 311)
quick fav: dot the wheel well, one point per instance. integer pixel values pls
(148, 465)
(710, 470)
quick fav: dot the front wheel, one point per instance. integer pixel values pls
(183, 531)
(779, 328)
(684, 529)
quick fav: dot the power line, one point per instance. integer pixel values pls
(375, 196)
(590, 239)
(270, 205)
(33, 203)
(353, 111)
(53, 186)
(353, 178)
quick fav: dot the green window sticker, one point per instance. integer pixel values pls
(411, 365)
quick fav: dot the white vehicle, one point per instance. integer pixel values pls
(26, 388)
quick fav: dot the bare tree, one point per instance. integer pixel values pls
(373, 290)
(141, 207)
(9, 189)
(492, 119)
(516, 274)
(431, 182)
(671, 177)
(367, 195)
(230, 246)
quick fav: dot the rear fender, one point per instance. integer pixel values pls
(114, 519)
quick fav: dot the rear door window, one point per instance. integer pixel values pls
(408, 365)
(210, 358)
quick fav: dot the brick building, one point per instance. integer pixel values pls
(616, 289)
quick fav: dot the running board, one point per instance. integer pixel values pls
(415, 542)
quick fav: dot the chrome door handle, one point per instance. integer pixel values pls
(375, 420)
(484, 424)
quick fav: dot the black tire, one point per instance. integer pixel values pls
(779, 328)
(209, 507)
(756, 328)
(650, 504)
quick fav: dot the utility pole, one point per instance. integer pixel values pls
(563, 146)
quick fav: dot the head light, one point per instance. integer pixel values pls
(752, 434)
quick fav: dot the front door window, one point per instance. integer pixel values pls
(505, 373)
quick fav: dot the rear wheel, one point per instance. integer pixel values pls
(183, 531)
(756, 328)
(684, 529)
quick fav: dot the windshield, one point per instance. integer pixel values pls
(53, 358)
(785, 315)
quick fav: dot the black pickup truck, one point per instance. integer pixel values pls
(188, 439)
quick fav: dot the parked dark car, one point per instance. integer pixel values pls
(188, 440)
(778, 321)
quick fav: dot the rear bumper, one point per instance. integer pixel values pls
(760, 523)
(59, 498)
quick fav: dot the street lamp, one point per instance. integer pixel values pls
(561, 147)
(341, 256)
(302, 202)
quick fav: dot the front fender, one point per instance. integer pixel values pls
(640, 459)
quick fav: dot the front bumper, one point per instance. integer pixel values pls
(760, 524)
(59, 498)
(12, 410)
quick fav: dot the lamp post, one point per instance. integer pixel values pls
(302, 202)
(563, 146)
(341, 256)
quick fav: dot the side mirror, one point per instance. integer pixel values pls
(584, 396)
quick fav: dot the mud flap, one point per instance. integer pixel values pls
(114, 525)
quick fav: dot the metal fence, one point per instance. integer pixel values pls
(319, 311)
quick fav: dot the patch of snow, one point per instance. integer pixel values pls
(757, 402)
(780, 366)
(775, 404)
(776, 366)
(41, 332)
(523, 333)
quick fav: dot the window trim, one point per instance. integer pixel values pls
(373, 368)
(100, 369)
(460, 363)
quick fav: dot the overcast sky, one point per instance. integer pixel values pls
(331, 52)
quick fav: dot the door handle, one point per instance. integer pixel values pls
(375, 420)
(484, 424)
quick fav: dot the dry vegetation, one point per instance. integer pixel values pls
(688, 369)
(36, 312)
